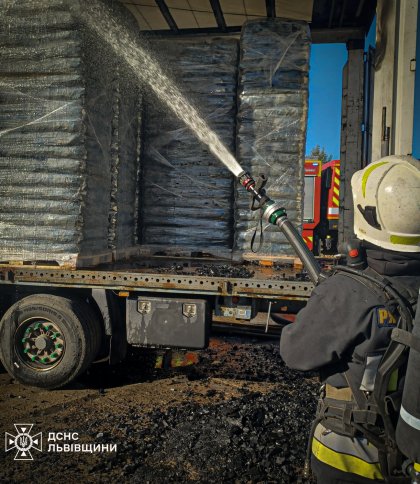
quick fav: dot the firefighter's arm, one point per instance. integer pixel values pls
(327, 327)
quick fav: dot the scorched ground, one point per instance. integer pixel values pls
(236, 415)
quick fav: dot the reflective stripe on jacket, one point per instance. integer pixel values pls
(352, 455)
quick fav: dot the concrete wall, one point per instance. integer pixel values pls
(393, 100)
(416, 124)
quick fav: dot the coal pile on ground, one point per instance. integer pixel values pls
(237, 416)
(253, 438)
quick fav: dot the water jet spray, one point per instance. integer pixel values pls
(98, 18)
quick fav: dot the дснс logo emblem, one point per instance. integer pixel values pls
(23, 442)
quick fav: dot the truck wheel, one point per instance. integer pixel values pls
(47, 341)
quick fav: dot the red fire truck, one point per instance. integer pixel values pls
(321, 206)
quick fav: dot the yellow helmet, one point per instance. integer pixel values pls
(386, 198)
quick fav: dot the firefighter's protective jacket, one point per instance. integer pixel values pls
(345, 327)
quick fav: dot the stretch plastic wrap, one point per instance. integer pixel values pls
(271, 122)
(63, 120)
(125, 160)
(187, 195)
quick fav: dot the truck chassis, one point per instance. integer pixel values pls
(55, 322)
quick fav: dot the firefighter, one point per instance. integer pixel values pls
(345, 328)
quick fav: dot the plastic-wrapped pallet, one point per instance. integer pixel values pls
(271, 123)
(187, 196)
(125, 147)
(58, 91)
(125, 162)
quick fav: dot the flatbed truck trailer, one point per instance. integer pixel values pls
(56, 322)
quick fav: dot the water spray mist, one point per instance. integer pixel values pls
(100, 19)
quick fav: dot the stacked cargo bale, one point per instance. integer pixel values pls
(272, 117)
(58, 87)
(187, 196)
(125, 162)
(125, 149)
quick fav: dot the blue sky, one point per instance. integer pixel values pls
(325, 79)
(325, 83)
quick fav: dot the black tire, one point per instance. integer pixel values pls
(78, 330)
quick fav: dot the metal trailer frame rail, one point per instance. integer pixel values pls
(165, 283)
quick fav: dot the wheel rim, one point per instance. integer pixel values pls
(39, 343)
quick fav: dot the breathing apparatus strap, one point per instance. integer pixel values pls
(406, 338)
(358, 395)
(366, 409)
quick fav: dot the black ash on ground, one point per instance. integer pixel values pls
(239, 415)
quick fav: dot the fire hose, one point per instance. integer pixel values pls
(273, 213)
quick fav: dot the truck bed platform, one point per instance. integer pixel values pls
(267, 282)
